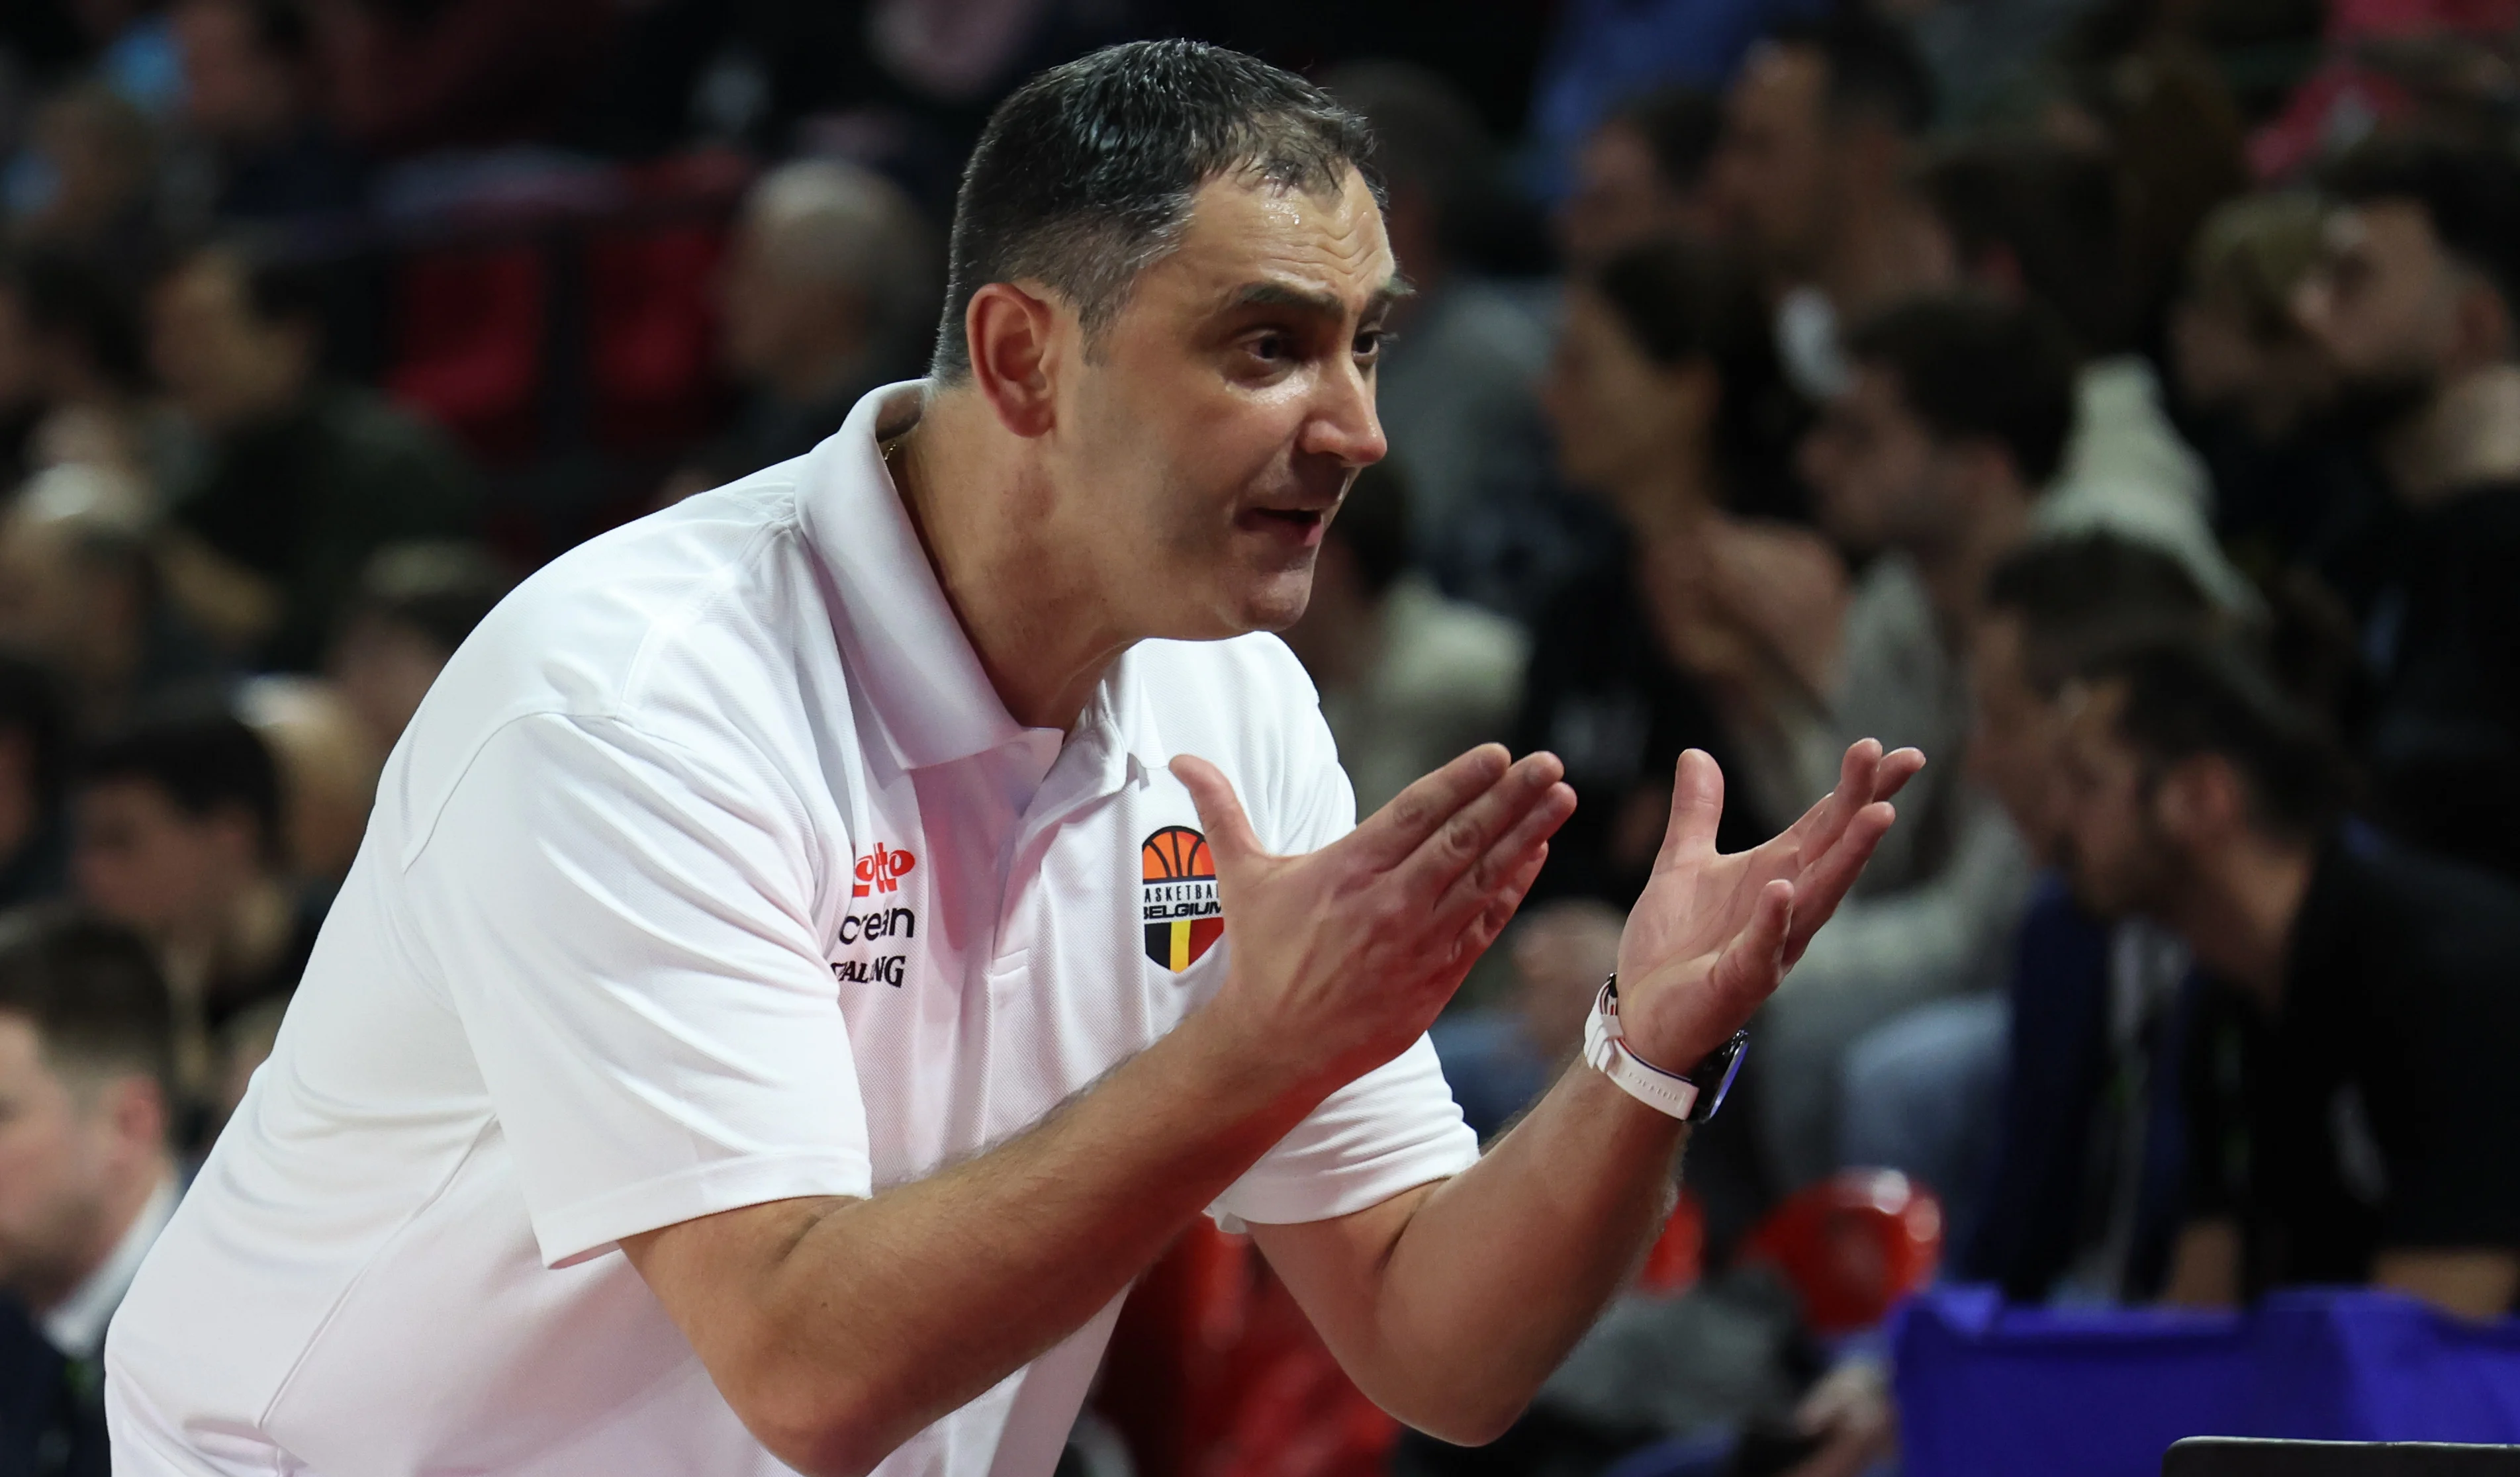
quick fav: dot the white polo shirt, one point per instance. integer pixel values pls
(711, 871)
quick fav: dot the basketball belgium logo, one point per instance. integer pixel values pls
(1182, 918)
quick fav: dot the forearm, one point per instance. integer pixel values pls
(1500, 1270)
(883, 1315)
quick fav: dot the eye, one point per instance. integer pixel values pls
(1370, 343)
(1271, 347)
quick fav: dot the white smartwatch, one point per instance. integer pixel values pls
(1692, 1096)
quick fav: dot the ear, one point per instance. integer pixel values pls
(1011, 333)
(136, 1108)
(2201, 801)
(2483, 323)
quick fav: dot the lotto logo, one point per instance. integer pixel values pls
(881, 871)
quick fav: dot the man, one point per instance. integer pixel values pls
(827, 293)
(2044, 1114)
(86, 1178)
(178, 835)
(301, 480)
(2414, 302)
(1642, 176)
(810, 894)
(416, 604)
(1810, 176)
(2352, 1115)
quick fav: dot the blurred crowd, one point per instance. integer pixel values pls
(2117, 399)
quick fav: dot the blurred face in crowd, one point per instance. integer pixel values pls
(1874, 465)
(2118, 856)
(1771, 170)
(383, 668)
(785, 321)
(224, 366)
(2013, 734)
(1620, 198)
(139, 859)
(2395, 311)
(235, 90)
(71, 1138)
(1622, 421)
(1197, 449)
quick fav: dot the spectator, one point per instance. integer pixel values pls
(828, 291)
(1810, 175)
(2291, 492)
(87, 1177)
(250, 88)
(80, 592)
(2414, 300)
(1455, 385)
(302, 480)
(412, 76)
(94, 165)
(416, 604)
(1669, 409)
(328, 763)
(2046, 1113)
(34, 751)
(2352, 1115)
(1643, 174)
(90, 372)
(2041, 222)
(1409, 680)
(179, 834)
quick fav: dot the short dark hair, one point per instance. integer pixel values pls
(441, 589)
(204, 762)
(1874, 67)
(2190, 698)
(1680, 126)
(91, 989)
(1373, 523)
(2081, 596)
(2054, 209)
(1970, 366)
(1683, 301)
(2469, 192)
(1087, 172)
(63, 296)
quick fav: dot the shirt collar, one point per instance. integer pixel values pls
(76, 1327)
(903, 643)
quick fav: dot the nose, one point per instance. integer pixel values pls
(1343, 423)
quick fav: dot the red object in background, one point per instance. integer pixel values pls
(1852, 1246)
(469, 329)
(1214, 1371)
(1679, 1255)
(651, 314)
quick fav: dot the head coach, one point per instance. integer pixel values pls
(797, 973)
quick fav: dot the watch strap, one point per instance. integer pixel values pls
(1606, 1049)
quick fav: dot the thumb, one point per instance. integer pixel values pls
(1229, 837)
(1697, 806)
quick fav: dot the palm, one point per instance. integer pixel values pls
(1712, 933)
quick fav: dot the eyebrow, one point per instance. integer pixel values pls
(1280, 295)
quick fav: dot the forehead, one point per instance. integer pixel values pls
(1245, 231)
(1783, 79)
(2393, 230)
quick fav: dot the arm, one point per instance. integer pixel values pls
(838, 1329)
(2476, 1283)
(1450, 1305)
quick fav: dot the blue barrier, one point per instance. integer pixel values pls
(1986, 1390)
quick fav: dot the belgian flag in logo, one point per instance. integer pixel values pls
(1181, 914)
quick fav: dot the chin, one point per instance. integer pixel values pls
(1273, 602)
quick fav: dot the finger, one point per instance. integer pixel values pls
(1821, 825)
(1898, 766)
(1459, 844)
(1751, 966)
(1823, 883)
(1478, 883)
(1696, 807)
(1491, 922)
(1230, 836)
(1392, 834)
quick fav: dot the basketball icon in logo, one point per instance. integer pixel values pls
(1182, 918)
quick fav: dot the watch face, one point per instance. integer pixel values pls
(1723, 1064)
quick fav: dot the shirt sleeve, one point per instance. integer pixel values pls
(1391, 1130)
(625, 929)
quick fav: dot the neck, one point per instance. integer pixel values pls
(2236, 911)
(1040, 622)
(114, 1217)
(2469, 433)
(1956, 571)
